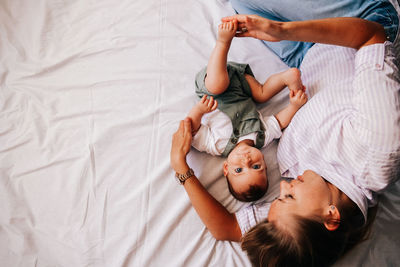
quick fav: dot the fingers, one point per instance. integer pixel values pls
(214, 107)
(239, 22)
(301, 96)
(234, 25)
(181, 143)
(239, 18)
(242, 27)
(210, 102)
(187, 125)
(185, 128)
(304, 96)
(203, 99)
(228, 25)
(181, 127)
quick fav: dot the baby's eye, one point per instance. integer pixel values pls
(256, 167)
(238, 170)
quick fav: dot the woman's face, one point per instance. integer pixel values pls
(307, 195)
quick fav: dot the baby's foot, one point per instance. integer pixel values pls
(226, 31)
(293, 79)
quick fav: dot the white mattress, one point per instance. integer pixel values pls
(90, 95)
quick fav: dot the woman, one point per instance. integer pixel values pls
(342, 146)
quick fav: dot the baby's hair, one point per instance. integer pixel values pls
(254, 193)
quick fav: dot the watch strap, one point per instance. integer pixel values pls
(182, 177)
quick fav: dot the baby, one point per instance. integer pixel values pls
(233, 127)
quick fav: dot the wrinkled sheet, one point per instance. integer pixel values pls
(90, 95)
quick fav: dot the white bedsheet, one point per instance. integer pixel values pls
(90, 95)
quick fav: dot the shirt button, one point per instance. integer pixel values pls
(234, 140)
(378, 66)
(237, 115)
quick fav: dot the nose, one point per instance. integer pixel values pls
(285, 189)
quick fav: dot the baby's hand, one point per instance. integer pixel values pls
(226, 31)
(206, 105)
(297, 99)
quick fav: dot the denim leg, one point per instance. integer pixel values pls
(292, 53)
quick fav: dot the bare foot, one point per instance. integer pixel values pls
(292, 79)
(226, 31)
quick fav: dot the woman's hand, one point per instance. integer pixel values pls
(181, 143)
(256, 27)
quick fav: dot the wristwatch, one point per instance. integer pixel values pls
(183, 177)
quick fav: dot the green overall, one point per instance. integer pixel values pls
(236, 102)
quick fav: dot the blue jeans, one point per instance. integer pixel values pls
(292, 53)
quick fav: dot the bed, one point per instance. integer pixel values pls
(90, 95)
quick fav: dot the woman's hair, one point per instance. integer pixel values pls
(308, 243)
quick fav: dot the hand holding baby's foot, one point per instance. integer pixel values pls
(292, 79)
(226, 31)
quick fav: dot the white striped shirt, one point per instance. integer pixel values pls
(349, 130)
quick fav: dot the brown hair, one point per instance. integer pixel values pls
(254, 193)
(308, 243)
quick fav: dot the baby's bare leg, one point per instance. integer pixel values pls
(217, 79)
(274, 84)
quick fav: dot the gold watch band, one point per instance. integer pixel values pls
(183, 177)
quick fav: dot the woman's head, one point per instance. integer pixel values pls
(308, 196)
(315, 234)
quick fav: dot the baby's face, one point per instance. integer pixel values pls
(245, 166)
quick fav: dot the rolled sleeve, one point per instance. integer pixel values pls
(376, 97)
(204, 141)
(374, 125)
(251, 215)
(273, 130)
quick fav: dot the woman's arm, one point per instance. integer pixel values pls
(221, 223)
(349, 32)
